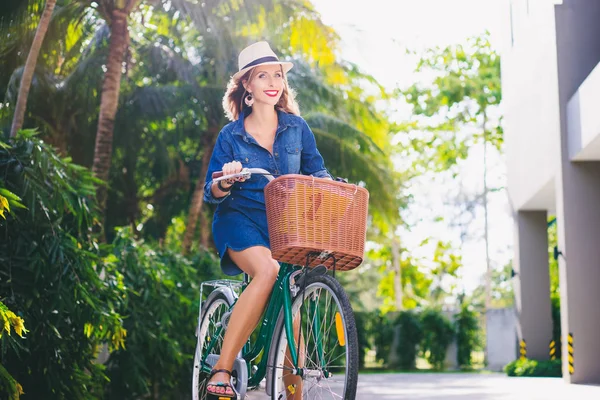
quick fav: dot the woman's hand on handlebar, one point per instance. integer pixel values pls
(223, 181)
(230, 168)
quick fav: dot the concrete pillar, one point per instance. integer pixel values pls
(451, 361)
(532, 283)
(578, 216)
(578, 197)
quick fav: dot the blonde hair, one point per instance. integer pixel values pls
(233, 101)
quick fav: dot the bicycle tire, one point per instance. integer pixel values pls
(213, 309)
(318, 284)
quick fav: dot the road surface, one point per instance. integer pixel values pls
(463, 386)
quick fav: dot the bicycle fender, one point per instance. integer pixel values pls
(227, 292)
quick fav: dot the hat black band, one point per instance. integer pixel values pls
(260, 61)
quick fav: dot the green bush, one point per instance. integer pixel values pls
(554, 289)
(467, 334)
(556, 329)
(383, 335)
(510, 368)
(162, 312)
(9, 323)
(364, 329)
(50, 263)
(438, 333)
(551, 368)
(49, 272)
(534, 368)
(411, 333)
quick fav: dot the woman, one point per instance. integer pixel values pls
(266, 132)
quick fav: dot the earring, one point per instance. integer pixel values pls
(249, 100)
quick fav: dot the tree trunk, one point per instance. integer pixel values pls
(30, 67)
(119, 38)
(398, 273)
(488, 279)
(488, 274)
(204, 229)
(198, 197)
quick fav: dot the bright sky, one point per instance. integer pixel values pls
(374, 35)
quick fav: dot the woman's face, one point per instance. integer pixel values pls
(266, 84)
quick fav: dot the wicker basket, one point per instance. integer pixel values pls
(307, 214)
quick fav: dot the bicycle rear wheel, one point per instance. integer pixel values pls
(210, 333)
(328, 353)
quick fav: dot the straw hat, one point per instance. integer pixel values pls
(259, 53)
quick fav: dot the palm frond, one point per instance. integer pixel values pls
(43, 84)
(159, 58)
(350, 153)
(156, 102)
(88, 64)
(362, 142)
(312, 91)
(18, 27)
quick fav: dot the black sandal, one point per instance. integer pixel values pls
(220, 396)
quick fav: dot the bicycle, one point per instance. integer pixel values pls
(306, 333)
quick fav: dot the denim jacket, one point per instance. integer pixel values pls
(294, 152)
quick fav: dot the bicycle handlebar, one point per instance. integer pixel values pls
(245, 173)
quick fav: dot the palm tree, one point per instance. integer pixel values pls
(29, 69)
(63, 100)
(116, 12)
(65, 104)
(58, 16)
(210, 23)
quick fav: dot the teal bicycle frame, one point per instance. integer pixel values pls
(281, 291)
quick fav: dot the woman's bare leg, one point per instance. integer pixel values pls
(260, 265)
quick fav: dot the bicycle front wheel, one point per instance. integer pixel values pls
(328, 349)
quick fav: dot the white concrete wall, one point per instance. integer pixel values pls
(578, 196)
(530, 102)
(583, 120)
(501, 337)
(551, 84)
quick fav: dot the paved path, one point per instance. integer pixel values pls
(463, 386)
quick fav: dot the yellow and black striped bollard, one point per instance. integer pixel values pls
(523, 349)
(570, 350)
(552, 350)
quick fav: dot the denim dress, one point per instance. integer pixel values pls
(240, 219)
